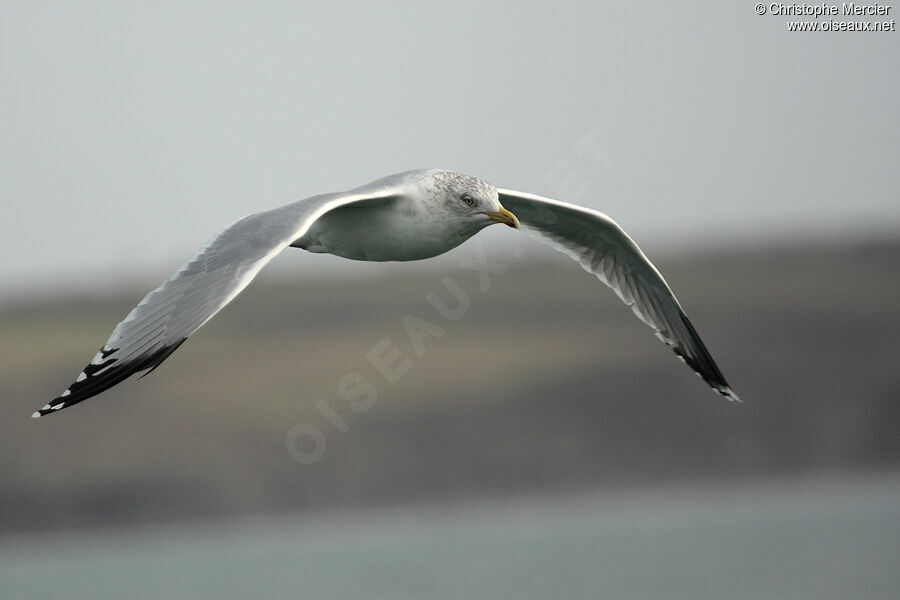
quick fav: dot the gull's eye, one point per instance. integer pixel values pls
(469, 200)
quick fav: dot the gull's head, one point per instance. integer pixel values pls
(471, 201)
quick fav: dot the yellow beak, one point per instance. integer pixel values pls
(505, 217)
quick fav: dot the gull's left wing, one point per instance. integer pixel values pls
(604, 249)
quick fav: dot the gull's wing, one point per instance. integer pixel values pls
(604, 249)
(164, 319)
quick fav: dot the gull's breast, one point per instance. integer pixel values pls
(378, 233)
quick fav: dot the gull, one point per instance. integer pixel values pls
(409, 216)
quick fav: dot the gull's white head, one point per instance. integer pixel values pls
(469, 201)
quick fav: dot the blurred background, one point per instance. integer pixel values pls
(544, 444)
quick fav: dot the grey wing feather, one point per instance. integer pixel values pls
(165, 318)
(604, 249)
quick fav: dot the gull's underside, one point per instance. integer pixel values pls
(419, 214)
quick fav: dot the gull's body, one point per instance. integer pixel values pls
(412, 220)
(409, 216)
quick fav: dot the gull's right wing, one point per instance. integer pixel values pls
(165, 318)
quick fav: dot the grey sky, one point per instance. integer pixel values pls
(131, 132)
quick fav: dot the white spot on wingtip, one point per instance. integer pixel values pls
(59, 406)
(98, 358)
(63, 395)
(36, 415)
(81, 377)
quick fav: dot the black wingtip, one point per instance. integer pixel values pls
(98, 377)
(701, 361)
(729, 393)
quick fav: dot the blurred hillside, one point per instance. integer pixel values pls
(545, 383)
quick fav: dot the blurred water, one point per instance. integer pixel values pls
(828, 540)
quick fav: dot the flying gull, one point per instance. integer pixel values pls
(408, 216)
